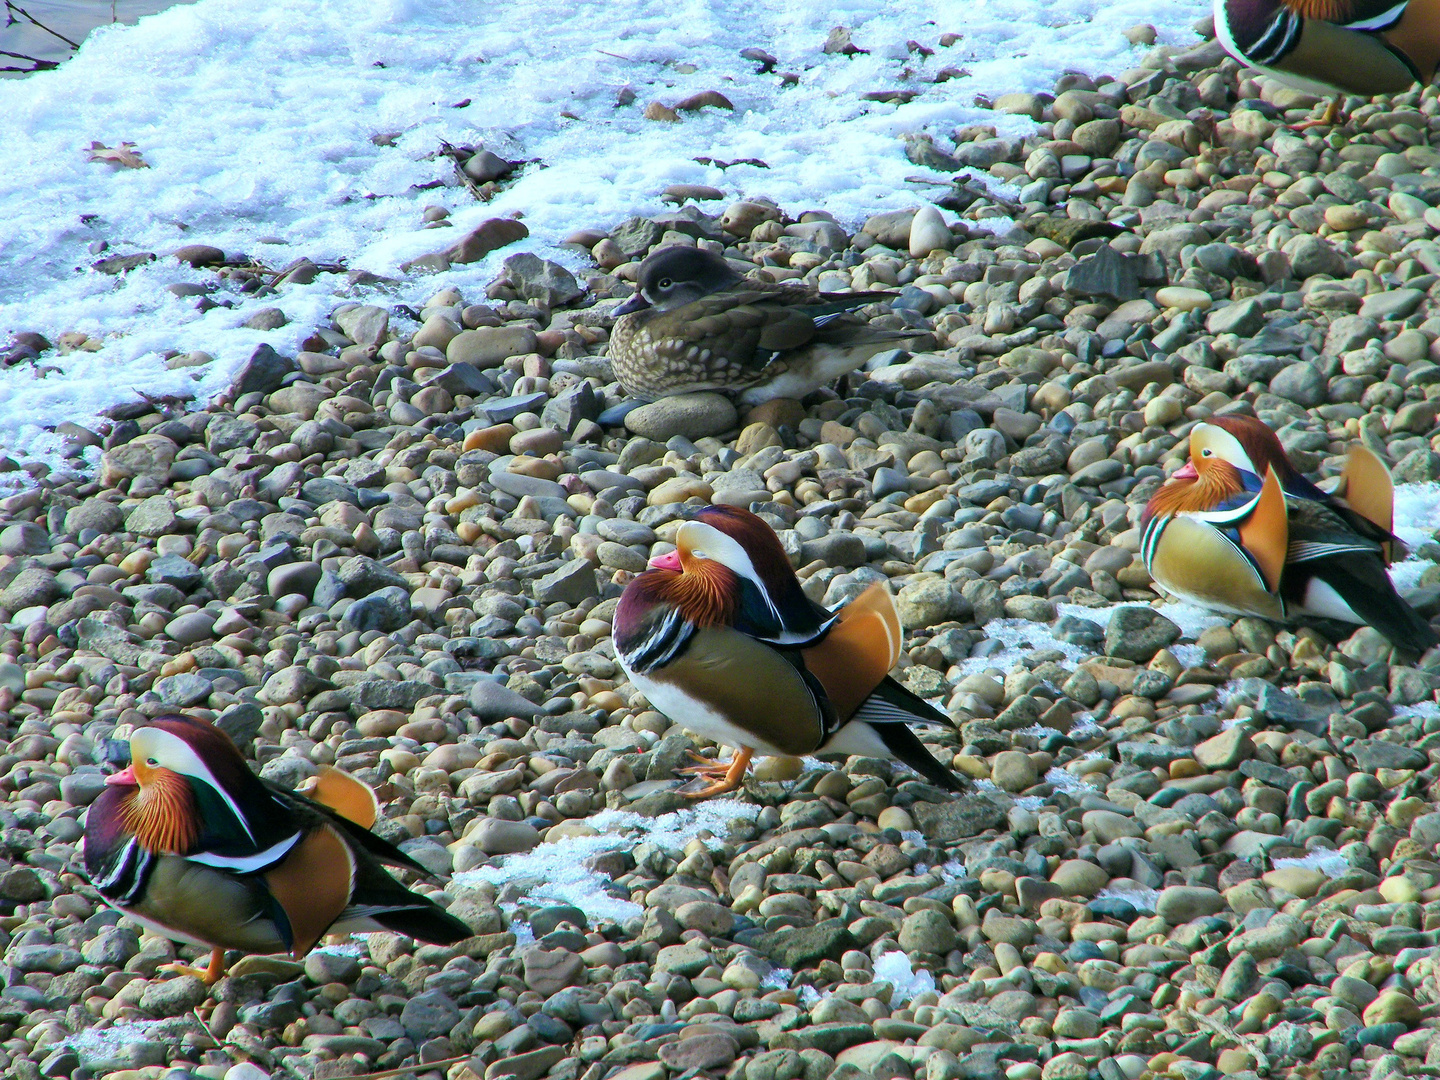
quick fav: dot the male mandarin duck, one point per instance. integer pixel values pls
(719, 637)
(189, 842)
(1334, 47)
(1281, 547)
(695, 324)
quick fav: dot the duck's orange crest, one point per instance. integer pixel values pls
(705, 592)
(1217, 482)
(162, 815)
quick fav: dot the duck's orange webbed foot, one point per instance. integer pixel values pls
(208, 975)
(727, 775)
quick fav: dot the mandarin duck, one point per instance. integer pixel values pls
(190, 843)
(695, 324)
(720, 638)
(1281, 547)
(1334, 47)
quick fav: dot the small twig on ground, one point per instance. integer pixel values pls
(12, 9)
(36, 64)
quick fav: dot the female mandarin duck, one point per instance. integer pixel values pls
(1218, 535)
(695, 324)
(719, 636)
(189, 842)
(1334, 47)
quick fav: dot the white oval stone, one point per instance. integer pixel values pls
(1177, 296)
(928, 232)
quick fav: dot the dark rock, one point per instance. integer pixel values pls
(1138, 633)
(183, 690)
(175, 570)
(1105, 273)
(535, 278)
(463, 378)
(263, 373)
(958, 819)
(241, 722)
(573, 582)
(492, 701)
(385, 610)
(429, 1014)
(1373, 754)
(362, 576)
(574, 405)
(797, 947)
(489, 236)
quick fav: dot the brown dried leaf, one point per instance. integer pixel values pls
(696, 102)
(125, 155)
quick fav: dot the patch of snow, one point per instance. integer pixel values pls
(894, 968)
(1066, 781)
(1188, 655)
(557, 870)
(777, 979)
(1021, 636)
(100, 1043)
(809, 996)
(1329, 862)
(1136, 895)
(1421, 710)
(348, 948)
(1193, 621)
(280, 130)
(1417, 516)
(953, 870)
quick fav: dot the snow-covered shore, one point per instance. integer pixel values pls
(258, 120)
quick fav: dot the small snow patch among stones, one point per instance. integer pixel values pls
(1330, 863)
(1137, 896)
(559, 872)
(894, 968)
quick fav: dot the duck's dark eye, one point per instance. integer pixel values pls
(1207, 453)
(664, 283)
(152, 763)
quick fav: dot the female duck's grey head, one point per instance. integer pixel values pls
(675, 276)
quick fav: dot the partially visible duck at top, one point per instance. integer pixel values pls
(1278, 547)
(1334, 47)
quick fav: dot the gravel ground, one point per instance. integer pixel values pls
(1196, 847)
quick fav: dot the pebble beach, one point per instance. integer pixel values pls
(1195, 846)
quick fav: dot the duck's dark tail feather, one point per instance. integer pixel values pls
(890, 709)
(907, 747)
(1363, 584)
(384, 900)
(425, 924)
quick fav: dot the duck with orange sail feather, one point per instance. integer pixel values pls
(1240, 529)
(719, 637)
